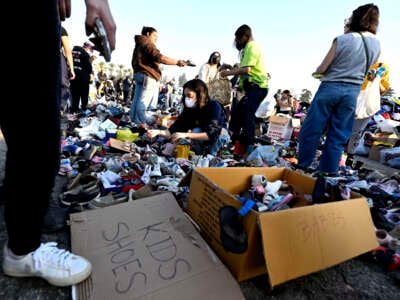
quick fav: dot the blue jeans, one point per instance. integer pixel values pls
(222, 140)
(332, 109)
(144, 91)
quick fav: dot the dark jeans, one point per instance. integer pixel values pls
(242, 122)
(79, 93)
(31, 125)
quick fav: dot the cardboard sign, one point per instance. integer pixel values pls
(147, 249)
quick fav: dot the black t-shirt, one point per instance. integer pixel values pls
(82, 64)
(211, 119)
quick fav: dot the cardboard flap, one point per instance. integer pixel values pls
(147, 249)
(304, 240)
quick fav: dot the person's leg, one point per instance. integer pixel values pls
(222, 140)
(340, 126)
(314, 125)
(85, 95)
(138, 78)
(149, 86)
(197, 145)
(75, 96)
(236, 120)
(357, 131)
(26, 201)
(253, 98)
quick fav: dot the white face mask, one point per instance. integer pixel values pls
(189, 102)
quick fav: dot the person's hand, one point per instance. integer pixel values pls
(64, 9)
(153, 133)
(71, 74)
(100, 9)
(181, 63)
(224, 73)
(179, 135)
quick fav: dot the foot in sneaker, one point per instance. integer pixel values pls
(57, 266)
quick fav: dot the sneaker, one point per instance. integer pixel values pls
(58, 267)
(156, 171)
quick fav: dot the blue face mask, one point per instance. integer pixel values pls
(189, 102)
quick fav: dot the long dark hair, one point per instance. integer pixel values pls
(364, 18)
(243, 31)
(200, 88)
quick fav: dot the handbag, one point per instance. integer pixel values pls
(369, 99)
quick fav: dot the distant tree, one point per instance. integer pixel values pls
(305, 95)
(182, 79)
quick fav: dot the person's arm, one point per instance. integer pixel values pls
(236, 71)
(156, 132)
(94, 9)
(171, 61)
(328, 59)
(68, 55)
(201, 136)
(100, 9)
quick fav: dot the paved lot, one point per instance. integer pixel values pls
(358, 278)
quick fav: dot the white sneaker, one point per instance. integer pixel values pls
(146, 174)
(156, 172)
(57, 266)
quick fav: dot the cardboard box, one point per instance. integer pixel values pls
(147, 249)
(289, 243)
(280, 127)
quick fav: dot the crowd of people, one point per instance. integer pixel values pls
(201, 120)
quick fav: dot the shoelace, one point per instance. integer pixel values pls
(50, 252)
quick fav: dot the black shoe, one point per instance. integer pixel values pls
(77, 200)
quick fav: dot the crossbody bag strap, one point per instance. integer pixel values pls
(366, 53)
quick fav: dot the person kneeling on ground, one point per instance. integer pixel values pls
(202, 120)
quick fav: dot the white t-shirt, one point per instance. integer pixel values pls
(208, 73)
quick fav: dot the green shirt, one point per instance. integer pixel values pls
(252, 57)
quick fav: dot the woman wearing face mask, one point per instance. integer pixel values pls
(209, 71)
(202, 120)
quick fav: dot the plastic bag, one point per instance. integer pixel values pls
(266, 108)
(369, 100)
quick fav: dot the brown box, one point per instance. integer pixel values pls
(289, 243)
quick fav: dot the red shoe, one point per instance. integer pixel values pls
(239, 149)
(395, 263)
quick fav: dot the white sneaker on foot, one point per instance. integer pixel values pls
(57, 266)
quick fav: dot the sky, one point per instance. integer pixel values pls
(294, 35)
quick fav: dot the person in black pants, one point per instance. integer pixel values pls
(83, 71)
(254, 82)
(31, 128)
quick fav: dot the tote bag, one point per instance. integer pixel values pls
(369, 100)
